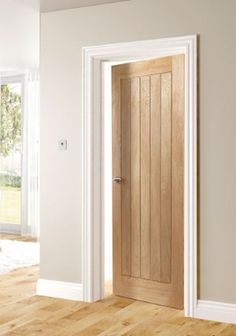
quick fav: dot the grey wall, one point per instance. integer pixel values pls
(63, 36)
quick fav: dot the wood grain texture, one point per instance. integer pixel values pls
(24, 313)
(145, 177)
(166, 160)
(178, 177)
(148, 121)
(9, 236)
(155, 177)
(126, 175)
(135, 179)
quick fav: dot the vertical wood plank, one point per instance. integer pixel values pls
(178, 176)
(126, 175)
(155, 176)
(145, 177)
(166, 225)
(135, 177)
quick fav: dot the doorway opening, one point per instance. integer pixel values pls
(93, 159)
(147, 192)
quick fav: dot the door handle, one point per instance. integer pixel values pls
(117, 179)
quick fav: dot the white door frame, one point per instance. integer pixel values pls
(93, 153)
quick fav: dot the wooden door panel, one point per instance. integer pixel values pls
(166, 182)
(135, 179)
(148, 121)
(126, 175)
(145, 177)
(155, 148)
(178, 177)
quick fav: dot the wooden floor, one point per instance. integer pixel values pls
(17, 237)
(24, 314)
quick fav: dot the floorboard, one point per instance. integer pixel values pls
(22, 313)
(10, 236)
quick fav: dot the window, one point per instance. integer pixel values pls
(11, 111)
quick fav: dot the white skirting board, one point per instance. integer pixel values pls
(60, 289)
(207, 310)
(216, 311)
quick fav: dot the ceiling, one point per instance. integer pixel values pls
(54, 5)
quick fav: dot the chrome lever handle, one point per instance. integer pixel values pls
(117, 179)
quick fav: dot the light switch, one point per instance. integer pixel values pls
(62, 144)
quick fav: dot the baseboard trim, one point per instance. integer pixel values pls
(60, 289)
(206, 310)
(216, 311)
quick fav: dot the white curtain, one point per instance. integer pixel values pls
(30, 171)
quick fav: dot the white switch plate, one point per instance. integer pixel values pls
(62, 144)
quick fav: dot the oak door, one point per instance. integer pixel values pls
(148, 177)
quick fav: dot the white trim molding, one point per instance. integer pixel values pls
(60, 289)
(216, 311)
(93, 153)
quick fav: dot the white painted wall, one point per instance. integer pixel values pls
(19, 34)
